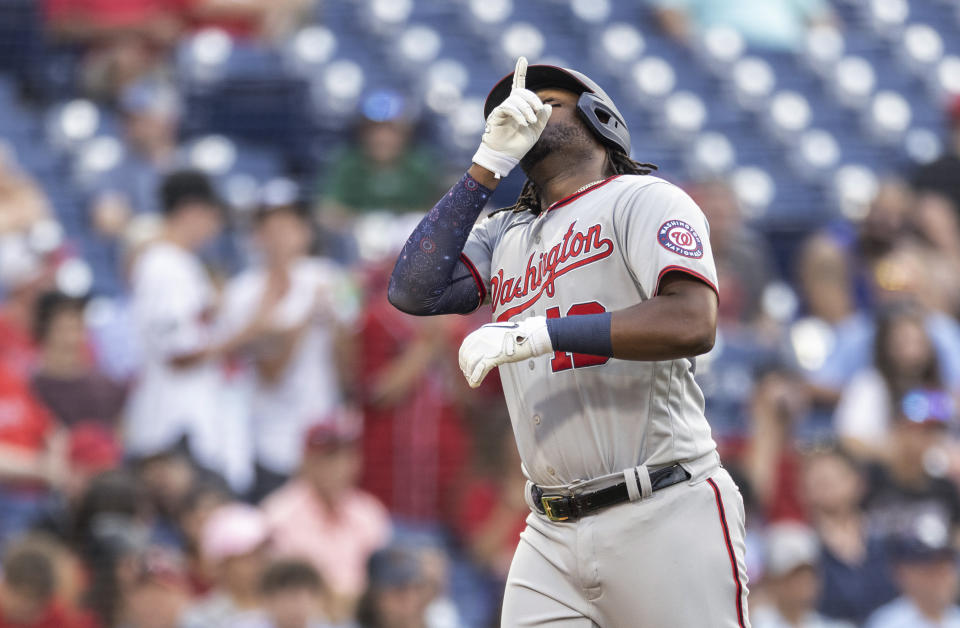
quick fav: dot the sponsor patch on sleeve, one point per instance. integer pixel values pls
(679, 237)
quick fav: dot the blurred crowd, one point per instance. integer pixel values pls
(249, 435)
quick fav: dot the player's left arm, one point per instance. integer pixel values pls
(679, 322)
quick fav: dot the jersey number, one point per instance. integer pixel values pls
(565, 361)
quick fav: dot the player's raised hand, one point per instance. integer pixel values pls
(500, 343)
(513, 127)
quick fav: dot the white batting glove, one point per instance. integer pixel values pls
(501, 343)
(513, 127)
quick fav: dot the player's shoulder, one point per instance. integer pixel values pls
(647, 185)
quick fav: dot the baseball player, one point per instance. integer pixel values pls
(603, 289)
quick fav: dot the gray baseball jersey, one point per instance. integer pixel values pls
(606, 248)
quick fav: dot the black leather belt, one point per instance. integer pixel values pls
(571, 508)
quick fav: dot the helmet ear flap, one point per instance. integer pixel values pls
(604, 121)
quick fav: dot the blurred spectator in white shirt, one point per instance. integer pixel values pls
(904, 358)
(926, 572)
(295, 373)
(792, 580)
(178, 391)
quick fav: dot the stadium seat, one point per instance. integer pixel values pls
(618, 46)
(817, 154)
(753, 82)
(854, 186)
(590, 12)
(788, 115)
(823, 48)
(309, 50)
(888, 117)
(921, 48)
(711, 155)
(853, 82)
(719, 48)
(520, 39)
(650, 81)
(887, 17)
(684, 115)
(755, 190)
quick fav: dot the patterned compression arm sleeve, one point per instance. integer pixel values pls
(429, 277)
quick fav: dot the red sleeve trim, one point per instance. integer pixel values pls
(481, 288)
(682, 269)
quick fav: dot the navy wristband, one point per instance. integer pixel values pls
(588, 333)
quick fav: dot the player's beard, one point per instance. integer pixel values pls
(568, 137)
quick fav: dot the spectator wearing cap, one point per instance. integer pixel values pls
(66, 379)
(925, 564)
(942, 176)
(233, 543)
(397, 595)
(792, 580)
(911, 482)
(321, 516)
(382, 170)
(178, 393)
(853, 561)
(307, 303)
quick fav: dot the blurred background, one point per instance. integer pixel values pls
(210, 416)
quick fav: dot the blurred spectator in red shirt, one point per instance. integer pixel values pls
(32, 454)
(267, 21)
(233, 542)
(493, 511)
(771, 463)
(744, 261)
(65, 380)
(414, 441)
(321, 516)
(28, 590)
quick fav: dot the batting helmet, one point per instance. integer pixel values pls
(594, 106)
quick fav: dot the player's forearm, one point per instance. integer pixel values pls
(680, 322)
(424, 279)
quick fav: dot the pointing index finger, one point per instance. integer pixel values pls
(520, 74)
